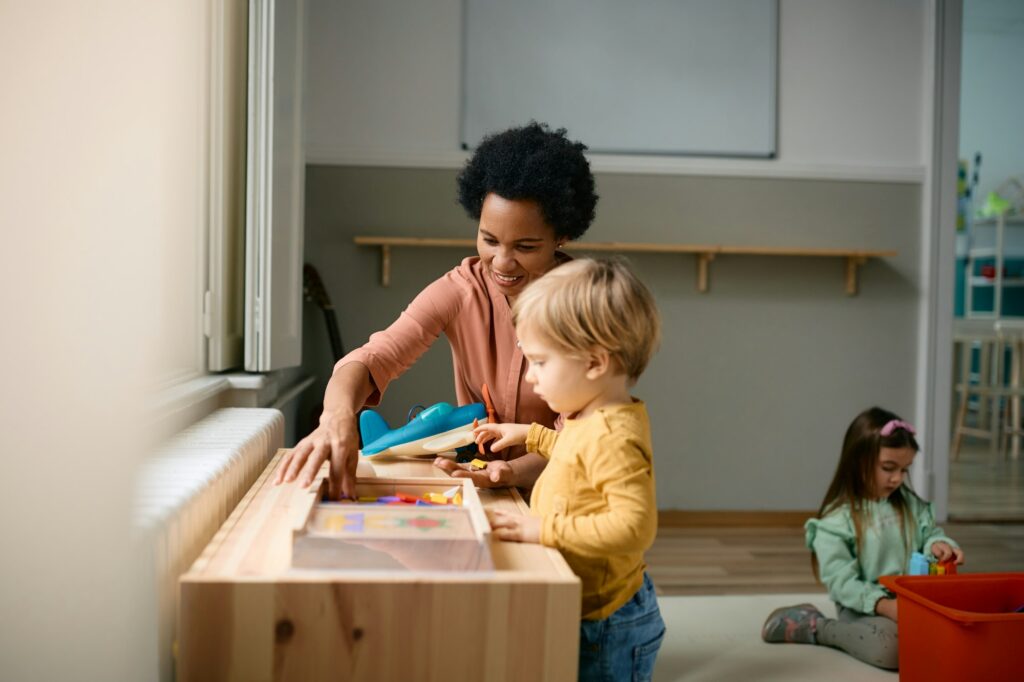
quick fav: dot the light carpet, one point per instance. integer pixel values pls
(718, 639)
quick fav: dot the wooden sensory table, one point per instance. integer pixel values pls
(247, 614)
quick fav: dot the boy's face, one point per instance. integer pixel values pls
(891, 469)
(558, 378)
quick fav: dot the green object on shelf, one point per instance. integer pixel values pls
(994, 205)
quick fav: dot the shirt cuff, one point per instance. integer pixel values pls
(871, 598)
(537, 440)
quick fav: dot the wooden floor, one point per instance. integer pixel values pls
(774, 560)
(985, 486)
(986, 509)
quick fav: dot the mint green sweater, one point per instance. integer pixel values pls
(852, 579)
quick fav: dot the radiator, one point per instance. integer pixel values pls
(188, 490)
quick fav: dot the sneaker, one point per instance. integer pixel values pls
(792, 624)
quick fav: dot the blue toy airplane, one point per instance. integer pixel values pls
(439, 428)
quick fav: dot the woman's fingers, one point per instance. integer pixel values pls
(312, 465)
(282, 467)
(446, 465)
(499, 472)
(339, 481)
(298, 459)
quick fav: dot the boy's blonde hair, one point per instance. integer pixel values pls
(586, 304)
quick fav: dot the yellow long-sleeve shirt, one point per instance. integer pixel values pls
(596, 499)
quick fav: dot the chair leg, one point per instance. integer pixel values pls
(1015, 406)
(985, 378)
(961, 420)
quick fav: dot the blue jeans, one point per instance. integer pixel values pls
(624, 645)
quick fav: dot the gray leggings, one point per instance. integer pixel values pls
(867, 638)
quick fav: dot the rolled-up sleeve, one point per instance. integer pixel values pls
(389, 353)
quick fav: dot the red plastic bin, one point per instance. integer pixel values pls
(960, 627)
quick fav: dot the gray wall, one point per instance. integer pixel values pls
(755, 381)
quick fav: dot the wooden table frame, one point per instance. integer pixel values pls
(245, 616)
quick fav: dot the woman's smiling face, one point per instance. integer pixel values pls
(515, 244)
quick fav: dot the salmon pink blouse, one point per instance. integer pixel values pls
(467, 307)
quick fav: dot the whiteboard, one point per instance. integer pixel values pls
(680, 77)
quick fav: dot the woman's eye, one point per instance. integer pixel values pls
(526, 248)
(491, 242)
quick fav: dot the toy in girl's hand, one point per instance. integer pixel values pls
(918, 564)
(947, 567)
(921, 565)
(439, 428)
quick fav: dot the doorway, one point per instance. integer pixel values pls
(986, 468)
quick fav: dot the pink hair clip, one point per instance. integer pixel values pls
(894, 424)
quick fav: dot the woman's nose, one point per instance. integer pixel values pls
(504, 259)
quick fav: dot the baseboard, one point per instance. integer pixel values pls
(680, 518)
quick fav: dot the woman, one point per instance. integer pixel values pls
(531, 190)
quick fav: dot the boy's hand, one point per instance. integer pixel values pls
(943, 551)
(498, 474)
(514, 527)
(501, 435)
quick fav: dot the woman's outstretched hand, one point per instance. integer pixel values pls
(336, 439)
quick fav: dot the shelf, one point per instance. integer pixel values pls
(1007, 220)
(988, 282)
(704, 253)
(1005, 245)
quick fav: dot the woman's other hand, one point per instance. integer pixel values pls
(514, 527)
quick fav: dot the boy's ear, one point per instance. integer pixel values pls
(599, 363)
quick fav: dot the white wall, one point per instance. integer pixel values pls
(991, 95)
(100, 192)
(852, 77)
(383, 78)
(384, 84)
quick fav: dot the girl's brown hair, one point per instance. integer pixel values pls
(854, 480)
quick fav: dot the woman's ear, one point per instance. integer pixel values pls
(599, 363)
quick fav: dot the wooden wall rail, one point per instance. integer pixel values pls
(853, 259)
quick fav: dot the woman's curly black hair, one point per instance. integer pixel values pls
(536, 163)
